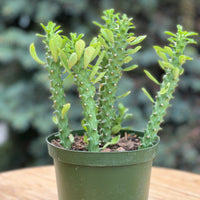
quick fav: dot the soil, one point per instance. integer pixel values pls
(126, 143)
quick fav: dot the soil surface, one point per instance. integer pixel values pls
(126, 143)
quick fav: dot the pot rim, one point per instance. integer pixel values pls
(140, 133)
(101, 159)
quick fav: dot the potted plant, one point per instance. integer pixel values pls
(105, 160)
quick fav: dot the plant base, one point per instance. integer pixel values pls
(102, 175)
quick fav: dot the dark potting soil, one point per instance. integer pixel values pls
(127, 143)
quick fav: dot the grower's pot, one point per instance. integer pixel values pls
(102, 175)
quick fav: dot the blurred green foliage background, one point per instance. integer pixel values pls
(25, 108)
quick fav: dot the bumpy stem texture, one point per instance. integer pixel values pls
(112, 63)
(58, 97)
(159, 110)
(86, 93)
(173, 68)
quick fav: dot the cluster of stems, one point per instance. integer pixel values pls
(97, 69)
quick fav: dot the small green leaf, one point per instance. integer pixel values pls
(34, 54)
(79, 47)
(161, 64)
(64, 60)
(182, 71)
(116, 129)
(165, 89)
(97, 24)
(88, 54)
(122, 109)
(170, 33)
(130, 68)
(85, 139)
(148, 95)
(40, 35)
(99, 77)
(97, 50)
(130, 39)
(99, 60)
(44, 27)
(160, 52)
(96, 67)
(55, 43)
(83, 123)
(80, 36)
(151, 77)
(180, 28)
(191, 41)
(132, 51)
(72, 60)
(71, 138)
(128, 116)
(166, 65)
(191, 34)
(94, 71)
(124, 95)
(169, 51)
(107, 34)
(114, 140)
(127, 59)
(176, 73)
(65, 109)
(183, 58)
(138, 40)
(159, 49)
(102, 41)
(93, 41)
(55, 119)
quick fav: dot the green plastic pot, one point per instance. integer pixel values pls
(102, 175)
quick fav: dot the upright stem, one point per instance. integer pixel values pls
(58, 97)
(86, 93)
(112, 63)
(173, 68)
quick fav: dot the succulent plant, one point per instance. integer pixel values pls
(97, 69)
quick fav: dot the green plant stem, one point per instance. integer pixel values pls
(58, 97)
(168, 85)
(159, 110)
(112, 63)
(86, 93)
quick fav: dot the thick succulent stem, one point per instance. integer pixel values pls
(173, 68)
(159, 109)
(107, 94)
(53, 41)
(114, 39)
(76, 59)
(86, 93)
(58, 97)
